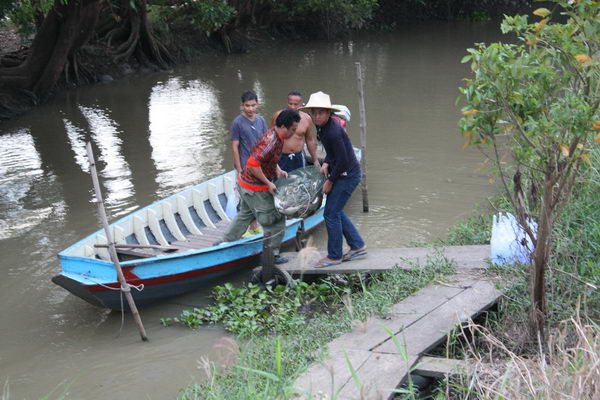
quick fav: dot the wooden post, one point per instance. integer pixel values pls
(363, 138)
(111, 244)
(300, 241)
(268, 259)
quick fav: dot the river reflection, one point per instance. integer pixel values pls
(186, 132)
(23, 185)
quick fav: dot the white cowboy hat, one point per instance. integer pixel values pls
(319, 100)
(343, 112)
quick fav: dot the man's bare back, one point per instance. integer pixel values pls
(295, 144)
(304, 133)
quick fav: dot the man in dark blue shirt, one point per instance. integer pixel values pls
(343, 175)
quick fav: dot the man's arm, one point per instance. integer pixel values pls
(259, 174)
(235, 151)
(281, 173)
(340, 157)
(312, 146)
(274, 118)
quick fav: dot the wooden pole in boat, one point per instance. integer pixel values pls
(268, 259)
(111, 244)
(363, 138)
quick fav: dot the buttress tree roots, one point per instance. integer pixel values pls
(122, 31)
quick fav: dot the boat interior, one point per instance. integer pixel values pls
(192, 219)
(189, 220)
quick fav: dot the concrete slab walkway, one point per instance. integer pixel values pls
(466, 257)
(376, 357)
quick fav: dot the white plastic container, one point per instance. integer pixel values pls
(232, 203)
(507, 240)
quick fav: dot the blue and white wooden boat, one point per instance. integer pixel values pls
(188, 223)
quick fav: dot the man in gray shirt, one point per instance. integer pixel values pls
(246, 128)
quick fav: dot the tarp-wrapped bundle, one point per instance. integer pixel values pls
(299, 195)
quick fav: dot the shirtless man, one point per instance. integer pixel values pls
(293, 148)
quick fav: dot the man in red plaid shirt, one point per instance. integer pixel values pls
(256, 186)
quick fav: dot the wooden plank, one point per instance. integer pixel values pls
(466, 258)
(422, 321)
(102, 253)
(469, 257)
(166, 249)
(118, 234)
(440, 322)
(195, 242)
(213, 196)
(182, 209)
(215, 232)
(330, 376)
(437, 367)
(212, 234)
(371, 333)
(88, 251)
(153, 224)
(169, 217)
(379, 375)
(198, 196)
(138, 228)
(131, 254)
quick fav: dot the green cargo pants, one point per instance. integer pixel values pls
(257, 206)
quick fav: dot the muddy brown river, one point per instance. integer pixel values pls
(158, 133)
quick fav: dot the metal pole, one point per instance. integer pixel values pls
(111, 244)
(363, 138)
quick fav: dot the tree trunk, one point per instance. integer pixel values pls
(134, 37)
(540, 260)
(73, 24)
(67, 27)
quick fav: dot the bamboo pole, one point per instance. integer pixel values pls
(268, 259)
(111, 244)
(138, 246)
(363, 138)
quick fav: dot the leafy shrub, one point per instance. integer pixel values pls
(208, 15)
(27, 16)
(250, 310)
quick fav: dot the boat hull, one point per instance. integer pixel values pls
(187, 222)
(152, 290)
(165, 277)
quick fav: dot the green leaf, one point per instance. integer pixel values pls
(542, 12)
(355, 376)
(267, 375)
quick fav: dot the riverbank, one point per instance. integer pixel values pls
(10, 40)
(118, 42)
(97, 63)
(266, 366)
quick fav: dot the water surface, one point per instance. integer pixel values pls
(156, 134)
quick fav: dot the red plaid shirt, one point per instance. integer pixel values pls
(265, 154)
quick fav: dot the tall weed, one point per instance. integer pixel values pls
(569, 370)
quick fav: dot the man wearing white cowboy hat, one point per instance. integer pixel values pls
(343, 175)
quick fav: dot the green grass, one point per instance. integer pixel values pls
(267, 365)
(575, 255)
(574, 261)
(571, 281)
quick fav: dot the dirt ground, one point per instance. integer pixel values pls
(9, 40)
